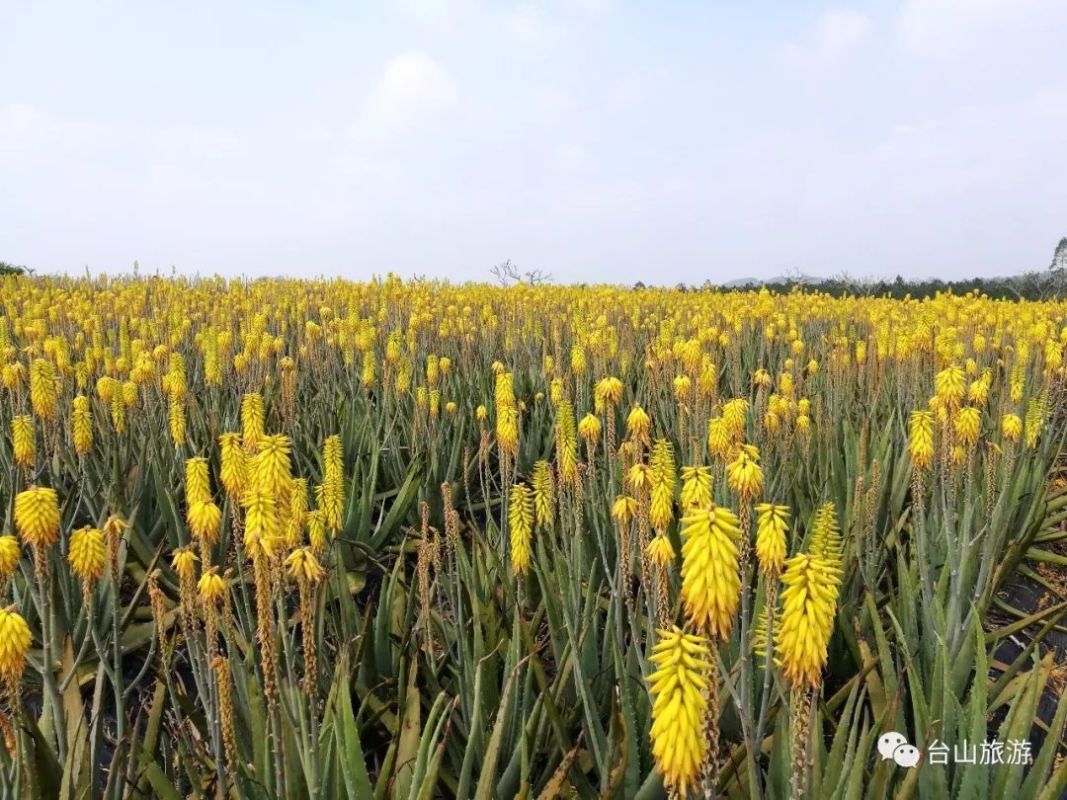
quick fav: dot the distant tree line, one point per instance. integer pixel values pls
(1029, 286)
(10, 269)
(1046, 284)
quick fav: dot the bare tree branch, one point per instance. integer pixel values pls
(508, 274)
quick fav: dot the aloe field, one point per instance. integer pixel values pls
(404, 540)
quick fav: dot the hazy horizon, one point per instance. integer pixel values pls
(173, 271)
(599, 141)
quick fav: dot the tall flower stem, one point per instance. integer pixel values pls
(43, 577)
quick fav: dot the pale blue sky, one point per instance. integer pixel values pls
(596, 140)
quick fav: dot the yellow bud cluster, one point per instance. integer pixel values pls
(303, 567)
(949, 385)
(82, 425)
(507, 415)
(520, 524)
(968, 424)
(183, 561)
(711, 579)
(23, 440)
(37, 516)
(176, 420)
(262, 528)
(589, 429)
(696, 488)
(544, 493)
(252, 421)
(662, 480)
(659, 550)
(825, 539)
(566, 444)
(316, 531)
(624, 509)
(197, 480)
(678, 687)
(271, 471)
(809, 603)
(638, 425)
(1011, 426)
(14, 642)
(607, 394)
(44, 388)
(233, 469)
(744, 475)
(87, 554)
(212, 587)
(772, 522)
(921, 438)
(735, 416)
(719, 439)
(9, 556)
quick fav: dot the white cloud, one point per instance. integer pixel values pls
(945, 28)
(19, 128)
(70, 153)
(913, 142)
(436, 13)
(592, 8)
(199, 143)
(25, 125)
(629, 91)
(31, 136)
(836, 34)
(634, 88)
(412, 90)
(551, 104)
(526, 23)
(313, 133)
(18, 117)
(939, 25)
(842, 30)
(1051, 103)
(535, 22)
(567, 157)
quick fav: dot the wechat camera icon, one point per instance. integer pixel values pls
(895, 746)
